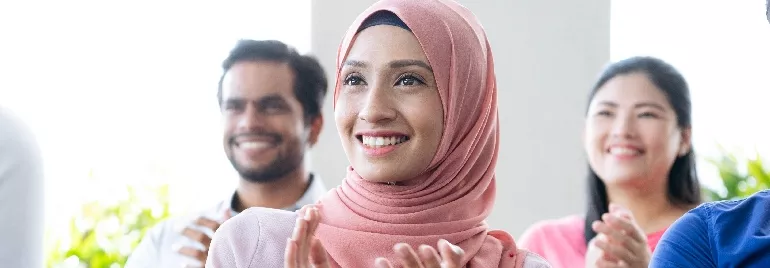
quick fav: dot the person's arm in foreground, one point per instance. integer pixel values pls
(21, 195)
(686, 243)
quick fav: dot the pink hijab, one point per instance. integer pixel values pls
(362, 220)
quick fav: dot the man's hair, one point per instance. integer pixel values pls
(309, 78)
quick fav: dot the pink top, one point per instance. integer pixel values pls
(561, 241)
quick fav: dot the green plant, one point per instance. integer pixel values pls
(104, 233)
(740, 176)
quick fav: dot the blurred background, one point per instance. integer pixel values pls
(122, 97)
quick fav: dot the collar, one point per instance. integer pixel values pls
(313, 193)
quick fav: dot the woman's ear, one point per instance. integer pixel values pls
(686, 142)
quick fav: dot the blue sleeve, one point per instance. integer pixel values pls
(686, 243)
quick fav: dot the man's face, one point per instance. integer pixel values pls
(265, 134)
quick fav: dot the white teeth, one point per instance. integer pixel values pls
(253, 145)
(623, 151)
(382, 141)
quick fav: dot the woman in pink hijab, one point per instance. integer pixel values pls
(416, 110)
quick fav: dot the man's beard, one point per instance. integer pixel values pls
(284, 163)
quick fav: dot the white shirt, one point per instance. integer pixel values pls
(21, 195)
(158, 247)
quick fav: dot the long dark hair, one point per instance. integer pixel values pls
(683, 185)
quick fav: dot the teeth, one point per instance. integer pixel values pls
(253, 145)
(382, 141)
(623, 151)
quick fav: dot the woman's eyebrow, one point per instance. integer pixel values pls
(405, 63)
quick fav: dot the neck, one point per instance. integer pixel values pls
(650, 207)
(281, 193)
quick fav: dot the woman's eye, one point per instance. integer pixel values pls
(409, 80)
(604, 113)
(353, 81)
(648, 115)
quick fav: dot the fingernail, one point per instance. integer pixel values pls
(381, 262)
(401, 248)
(295, 233)
(424, 249)
(176, 247)
(454, 247)
(307, 213)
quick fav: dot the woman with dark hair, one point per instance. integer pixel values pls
(641, 170)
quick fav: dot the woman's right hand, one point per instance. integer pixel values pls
(448, 256)
(303, 250)
(621, 241)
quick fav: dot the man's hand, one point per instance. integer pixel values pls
(199, 237)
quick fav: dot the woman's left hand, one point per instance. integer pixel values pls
(450, 256)
(625, 244)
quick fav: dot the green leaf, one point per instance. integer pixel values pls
(757, 171)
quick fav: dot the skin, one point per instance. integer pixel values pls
(630, 112)
(387, 84)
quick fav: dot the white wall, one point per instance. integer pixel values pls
(547, 54)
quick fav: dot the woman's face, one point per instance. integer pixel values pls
(631, 132)
(389, 113)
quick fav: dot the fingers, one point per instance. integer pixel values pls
(290, 255)
(619, 253)
(318, 256)
(610, 264)
(299, 237)
(429, 257)
(451, 254)
(312, 216)
(208, 223)
(298, 247)
(621, 211)
(408, 257)
(612, 234)
(382, 263)
(193, 253)
(448, 256)
(309, 221)
(628, 226)
(197, 235)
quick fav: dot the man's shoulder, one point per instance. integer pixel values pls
(756, 205)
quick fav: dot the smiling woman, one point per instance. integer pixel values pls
(416, 110)
(641, 172)
(388, 106)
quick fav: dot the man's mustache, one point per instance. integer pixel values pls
(274, 137)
